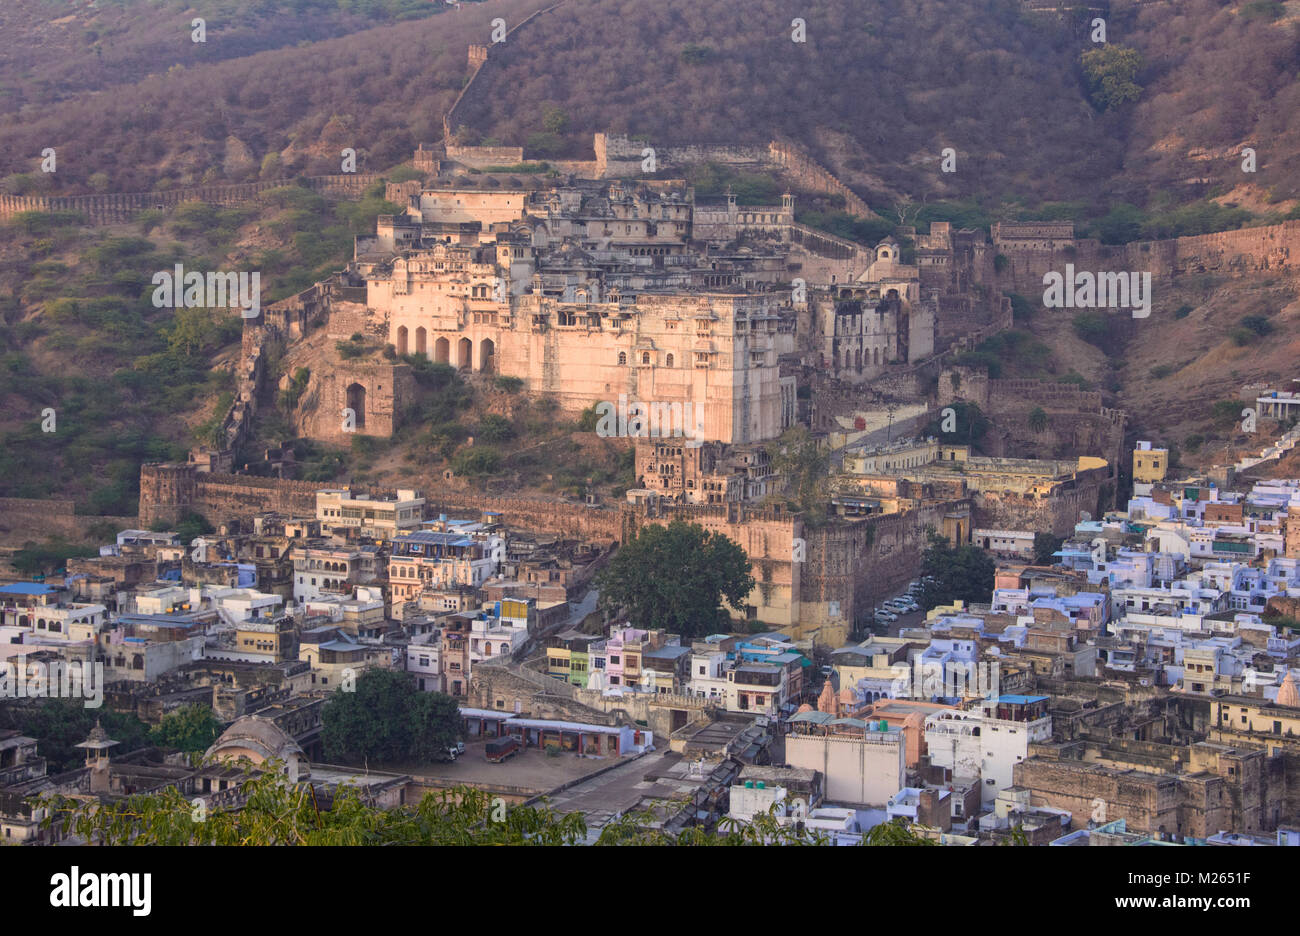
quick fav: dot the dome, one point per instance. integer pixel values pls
(257, 739)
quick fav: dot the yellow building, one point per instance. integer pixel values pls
(1149, 464)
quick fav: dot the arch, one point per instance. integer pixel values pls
(622, 357)
(401, 340)
(421, 342)
(442, 351)
(464, 352)
(137, 662)
(357, 403)
(486, 353)
(645, 357)
(669, 360)
(858, 358)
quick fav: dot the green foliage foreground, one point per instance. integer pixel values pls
(279, 812)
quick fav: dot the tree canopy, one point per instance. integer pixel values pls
(805, 466)
(59, 724)
(276, 811)
(962, 573)
(676, 577)
(387, 719)
(190, 728)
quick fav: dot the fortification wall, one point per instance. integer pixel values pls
(400, 193)
(477, 59)
(481, 157)
(169, 491)
(809, 174)
(25, 520)
(852, 566)
(619, 156)
(377, 407)
(1056, 514)
(119, 208)
(1271, 248)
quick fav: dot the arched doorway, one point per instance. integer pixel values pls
(464, 350)
(486, 351)
(421, 342)
(357, 403)
(442, 351)
(401, 340)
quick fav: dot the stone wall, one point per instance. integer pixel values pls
(808, 174)
(1056, 513)
(168, 491)
(118, 208)
(1271, 248)
(477, 58)
(377, 407)
(481, 157)
(618, 156)
(1145, 801)
(1078, 423)
(25, 520)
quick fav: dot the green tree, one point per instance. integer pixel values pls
(386, 719)
(60, 724)
(675, 578)
(1045, 544)
(1111, 71)
(805, 466)
(894, 832)
(495, 428)
(555, 120)
(962, 573)
(191, 728)
(1038, 420)
(276, 811)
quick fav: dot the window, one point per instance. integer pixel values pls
(669, 360)
(622, 357)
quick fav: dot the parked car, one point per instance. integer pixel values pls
(828, 670)
(500, 749)
(456, 750)
(883, 615)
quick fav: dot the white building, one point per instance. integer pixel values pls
(988, 743)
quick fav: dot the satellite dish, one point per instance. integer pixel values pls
(1084, 516)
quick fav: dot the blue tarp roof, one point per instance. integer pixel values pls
(27, 588)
